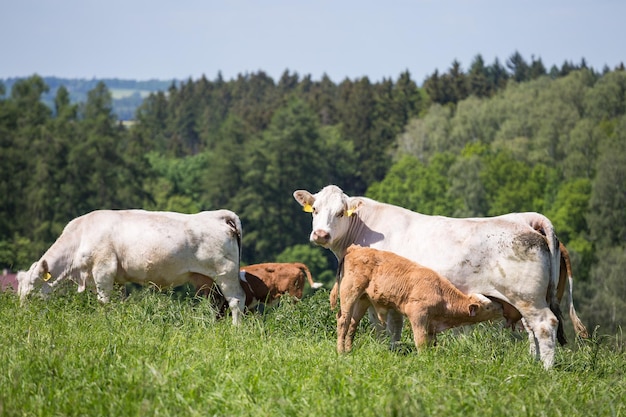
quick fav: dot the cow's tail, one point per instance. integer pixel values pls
(309, 278)
(542, 225)
(579, 327)
(234, 223)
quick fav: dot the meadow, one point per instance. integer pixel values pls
(165, 354)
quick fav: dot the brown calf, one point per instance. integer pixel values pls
(265, 283)
(390, 282)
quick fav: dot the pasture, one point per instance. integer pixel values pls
(164, 354)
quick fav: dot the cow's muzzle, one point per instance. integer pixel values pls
(320, 237)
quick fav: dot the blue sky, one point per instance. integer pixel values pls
(164, 39)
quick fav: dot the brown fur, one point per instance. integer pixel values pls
(265, 283)
(390, 282)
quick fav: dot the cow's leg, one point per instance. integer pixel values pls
(532, 341)
(358, 311)
(541, 325)
(379, 327)
(104, 287)
(350, 298)
(395, 321)
(419, 324)
(344, 317)
(104, 272)
(234, 294)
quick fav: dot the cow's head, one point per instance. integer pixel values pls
(482, 308)
(332, 212)
(38, 276)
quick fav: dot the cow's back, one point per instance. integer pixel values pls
(159, 247)
(473, 253)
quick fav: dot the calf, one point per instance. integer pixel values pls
(390, 282)
(265, 283)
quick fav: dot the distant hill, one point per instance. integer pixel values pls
(127, 94)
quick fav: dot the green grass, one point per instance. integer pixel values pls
(164, 354)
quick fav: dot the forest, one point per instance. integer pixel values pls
(492, 139)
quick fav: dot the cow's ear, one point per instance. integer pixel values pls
(473, 309)
(45, 271)
(353, 205)
(305, 199)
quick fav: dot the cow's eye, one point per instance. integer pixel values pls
(340, 214)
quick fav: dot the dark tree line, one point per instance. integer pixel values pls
(483, 80)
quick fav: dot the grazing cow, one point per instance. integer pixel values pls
(388, 281)
(513, 257)
(266, 283)
(163, 248)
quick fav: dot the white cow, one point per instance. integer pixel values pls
(513, 258)
(163, 248)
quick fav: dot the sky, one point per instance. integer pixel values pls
(182, 39)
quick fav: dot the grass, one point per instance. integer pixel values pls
(164, 354)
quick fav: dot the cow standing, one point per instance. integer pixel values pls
(162, 248)
(388, 281)
(513, 258)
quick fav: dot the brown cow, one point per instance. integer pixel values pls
(388, 281)
(265, 283)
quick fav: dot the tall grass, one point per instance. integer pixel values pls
(161, 354)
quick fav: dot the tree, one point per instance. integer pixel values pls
(288, 156)
(98, 174)
(512, 185)
(466, 185)
(357, 105)
(416, 186)
(607, 304)
(607, 99)
(519, 67)
(497, 76)
(477, 78)
(606, 218)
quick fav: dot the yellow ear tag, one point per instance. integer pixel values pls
(350, 212)
(47, 276)
(308, 208)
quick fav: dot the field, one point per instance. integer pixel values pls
(164, 354)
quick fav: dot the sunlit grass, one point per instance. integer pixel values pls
(162, 354)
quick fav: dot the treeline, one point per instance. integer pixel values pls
(127, 95)
(483, 80)
(550, 143)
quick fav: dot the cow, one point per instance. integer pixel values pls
(166, 249)
(265, 283)
(513, 258)
(387, 281)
